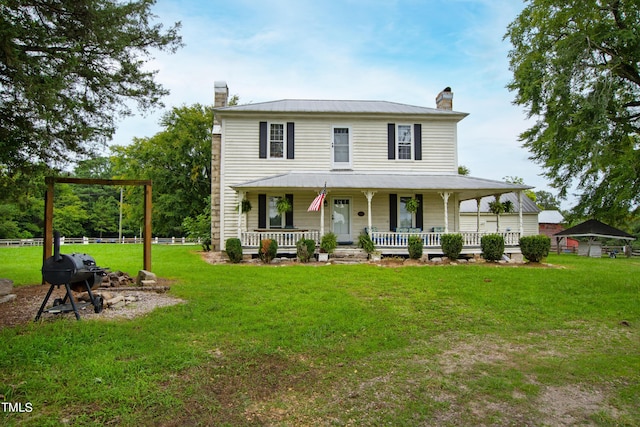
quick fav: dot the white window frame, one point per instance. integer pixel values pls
(284, 140)
(271, 207)
(342, 165)
(411, 135)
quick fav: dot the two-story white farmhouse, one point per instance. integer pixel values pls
(372, 157)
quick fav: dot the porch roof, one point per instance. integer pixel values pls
(465, 186)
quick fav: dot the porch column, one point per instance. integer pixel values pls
(240, 198)
(445, 197)
(369, 196)
(478, 201)
(322, 218)
(520, 213)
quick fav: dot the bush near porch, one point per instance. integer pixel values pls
(340, 344)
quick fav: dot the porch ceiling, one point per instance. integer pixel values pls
(465, 186)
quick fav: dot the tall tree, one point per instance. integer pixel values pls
(547, 201)
(178, 160)
(68, 70)
(575, 70)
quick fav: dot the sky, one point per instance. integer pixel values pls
(403, 51)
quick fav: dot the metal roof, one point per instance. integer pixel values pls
(467, 187)
(550, 217)
(337, 106)
(528, 205)
(595, 228)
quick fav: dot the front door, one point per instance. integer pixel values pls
(341, 219)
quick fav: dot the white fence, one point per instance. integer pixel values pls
(88, 240)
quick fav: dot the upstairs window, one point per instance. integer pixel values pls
(276, 140)
(403, 142)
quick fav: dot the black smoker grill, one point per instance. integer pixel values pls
(76, 272)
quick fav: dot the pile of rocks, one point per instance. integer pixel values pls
(6, 287)
(117, 279)
(110, 300)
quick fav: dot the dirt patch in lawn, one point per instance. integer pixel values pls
(25, 306)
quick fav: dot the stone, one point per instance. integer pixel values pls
(144, 283)
(7, 298)
(6, 286)
(436, 260)
(145, 275)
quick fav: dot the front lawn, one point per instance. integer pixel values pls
(337, 345)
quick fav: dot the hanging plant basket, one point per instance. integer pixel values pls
(283, 205)
(412, 205)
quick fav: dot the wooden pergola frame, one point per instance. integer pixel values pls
(48, 210)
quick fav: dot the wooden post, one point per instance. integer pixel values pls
(48, 211)
(48, 219)
(147, 227)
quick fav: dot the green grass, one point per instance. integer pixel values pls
(337, 345)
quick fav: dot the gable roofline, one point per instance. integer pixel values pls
(317, 106)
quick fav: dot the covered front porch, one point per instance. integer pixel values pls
(374, 203)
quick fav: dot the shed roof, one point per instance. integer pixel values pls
(595, 228)
(467, 187)
(550, 217)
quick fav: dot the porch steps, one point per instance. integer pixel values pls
(348, 255)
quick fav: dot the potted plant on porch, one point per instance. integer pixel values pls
(365, 242)
(328, 244)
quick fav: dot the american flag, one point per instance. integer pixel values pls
(317, 202)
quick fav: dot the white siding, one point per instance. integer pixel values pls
(313, 138)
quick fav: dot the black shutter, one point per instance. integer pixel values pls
(288, 216)
(263, 140)
(290, 140)
(391, 141)
(417, 137)
(262, 211)
(419, 213)
(393, 212)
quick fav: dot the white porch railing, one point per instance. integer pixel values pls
(390, 239)
(284, 238)
(382, 239)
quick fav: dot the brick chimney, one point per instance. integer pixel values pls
(221, 97)
(444, 100)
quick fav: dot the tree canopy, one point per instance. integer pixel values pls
(575, 67)
(178, 160)
(68, 70)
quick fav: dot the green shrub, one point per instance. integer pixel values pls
(305, 249)
(233, 247)
(268, 250)
(365, 242)
(415, 247)
(329, 243)
(492, 247)
(535, 248)
(451, 245)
